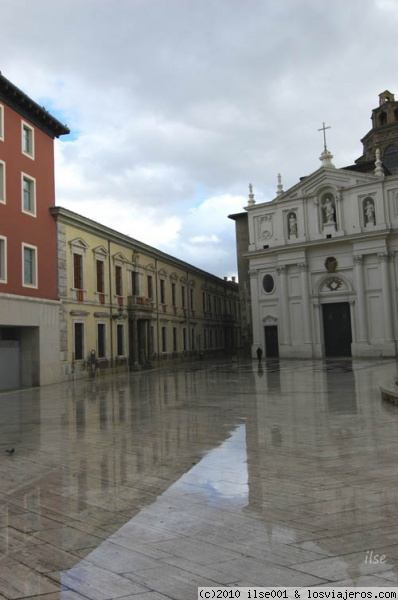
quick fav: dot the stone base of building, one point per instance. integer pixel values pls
(29, 342)
(381, 350)
(299, 351)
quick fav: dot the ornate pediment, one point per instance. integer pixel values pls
(270, 320)
(333, 284)
(78, 243)
(101, 251)
(119, 257)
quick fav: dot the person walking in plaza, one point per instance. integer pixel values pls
(259, 353)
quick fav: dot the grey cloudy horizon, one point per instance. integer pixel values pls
(175, 106)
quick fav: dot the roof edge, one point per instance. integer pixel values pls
(28, 108)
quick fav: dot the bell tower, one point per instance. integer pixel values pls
(384, 133)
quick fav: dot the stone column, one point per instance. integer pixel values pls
(339, 211)
(384, 258)
(361, 300)
(306, 302)
(258, 334)
(133, 339)
(284, 320)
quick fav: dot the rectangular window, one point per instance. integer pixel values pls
(175, 344)
(173, 294)
(164, 339)
(100, 276)
(28, 140)
(3, 260)
(135, 283)
(162, 291)
(150, 287)
(28, 195)
(2, 182)
(183, 298)
(1, 122)
(191, 299)
(118, 280)
(184, 338)
(78, 271)
(204, 301)
(120, 340)
(79, 341)
(101, 340)
(192, 339)
(29, 257)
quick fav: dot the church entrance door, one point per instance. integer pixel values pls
(337, 329)
(271, 341)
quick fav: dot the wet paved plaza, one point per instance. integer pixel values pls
(147, 485)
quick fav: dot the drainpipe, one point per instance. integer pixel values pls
(157, 309)
(110, 300)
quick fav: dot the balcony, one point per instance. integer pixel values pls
(139, 304)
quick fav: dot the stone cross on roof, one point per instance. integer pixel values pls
(323, 128)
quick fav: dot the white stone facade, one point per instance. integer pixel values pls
(323, 262)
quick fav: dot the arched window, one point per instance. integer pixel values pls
(382, 118)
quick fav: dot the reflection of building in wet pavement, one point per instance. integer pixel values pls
(308, 437)
(228, 474)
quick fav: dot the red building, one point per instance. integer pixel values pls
(29, 309)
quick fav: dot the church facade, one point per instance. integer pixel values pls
(323, 255)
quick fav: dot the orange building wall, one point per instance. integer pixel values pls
(17, 226)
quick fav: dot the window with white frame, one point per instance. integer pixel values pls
(78, 331)
(29, 266)
(2, 182)
(3, 259)
(120, 339)
(1, 122)
(162, 291)
(164, 339)
(28, 195)
(77, 271)
(135, 283)
(28, 140)
(100, 273)
(119, 280)
(191, 304)
(101, 340)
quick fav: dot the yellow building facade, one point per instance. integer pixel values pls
(126, 305)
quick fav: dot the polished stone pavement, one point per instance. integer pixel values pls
(147, 485)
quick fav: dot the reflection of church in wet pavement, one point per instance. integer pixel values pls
(322, 255)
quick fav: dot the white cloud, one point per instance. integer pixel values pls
(175, 107)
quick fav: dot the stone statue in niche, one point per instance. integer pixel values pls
(292, 223)
(329, 210)
(369, 209)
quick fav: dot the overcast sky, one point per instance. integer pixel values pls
(175, 106)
